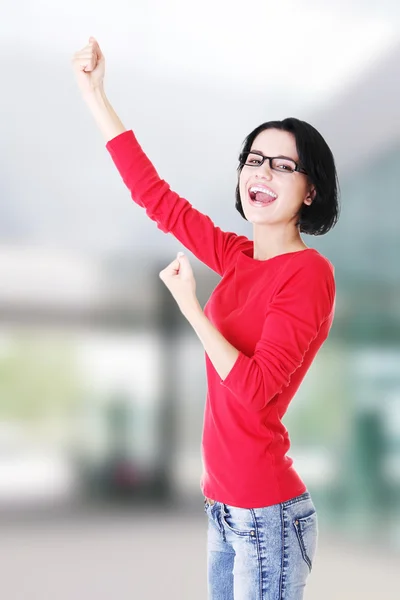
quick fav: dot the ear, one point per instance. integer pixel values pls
(310, 196)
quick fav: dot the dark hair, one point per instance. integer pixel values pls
(317, 160)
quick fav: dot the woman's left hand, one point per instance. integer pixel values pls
(179, 279)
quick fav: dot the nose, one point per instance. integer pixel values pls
(265, 169)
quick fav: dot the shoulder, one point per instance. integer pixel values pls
(309, 273)
(311, 263)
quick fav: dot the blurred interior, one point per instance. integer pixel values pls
(102, 381)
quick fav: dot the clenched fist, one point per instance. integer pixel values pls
(179, 279)
(89, 67)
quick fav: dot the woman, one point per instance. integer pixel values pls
(261, 329)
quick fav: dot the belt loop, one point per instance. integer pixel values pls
(221, 525)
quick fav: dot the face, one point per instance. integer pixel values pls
(291, 189)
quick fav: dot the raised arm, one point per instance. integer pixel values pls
(172, 213)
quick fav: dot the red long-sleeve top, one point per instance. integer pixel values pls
(276, 312)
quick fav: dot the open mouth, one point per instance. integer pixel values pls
(261, 196)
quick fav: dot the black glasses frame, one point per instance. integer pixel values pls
(243, 157)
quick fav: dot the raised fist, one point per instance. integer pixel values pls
(89, 66)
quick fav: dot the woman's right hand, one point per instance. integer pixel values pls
(89, 67)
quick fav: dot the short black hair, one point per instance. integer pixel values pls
(316, 158)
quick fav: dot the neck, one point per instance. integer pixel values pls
(268, 242)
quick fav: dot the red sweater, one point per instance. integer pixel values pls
(276, 312)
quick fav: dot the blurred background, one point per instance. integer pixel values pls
(102, 381)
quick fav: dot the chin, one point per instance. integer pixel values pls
(252, 212)
(259, 220)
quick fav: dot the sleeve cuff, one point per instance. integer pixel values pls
(124, 137)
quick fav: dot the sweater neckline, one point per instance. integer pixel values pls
(247, 254)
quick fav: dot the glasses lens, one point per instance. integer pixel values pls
(250, 158)
(286, 165)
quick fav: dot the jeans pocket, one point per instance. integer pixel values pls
(238, 520)
(307, 534)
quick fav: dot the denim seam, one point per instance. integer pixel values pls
(283, 553)
(242, 534)
(304, 496)
(258, 551)
(303, 550)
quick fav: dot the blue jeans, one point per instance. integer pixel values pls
(261, 553)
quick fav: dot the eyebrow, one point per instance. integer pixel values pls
(276, 156)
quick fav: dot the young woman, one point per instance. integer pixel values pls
(261, 329)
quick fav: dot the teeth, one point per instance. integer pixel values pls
(263, 190)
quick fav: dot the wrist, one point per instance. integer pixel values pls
(95, 94)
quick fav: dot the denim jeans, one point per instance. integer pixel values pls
(260, 553)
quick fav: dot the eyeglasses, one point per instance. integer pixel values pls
(277, 163)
